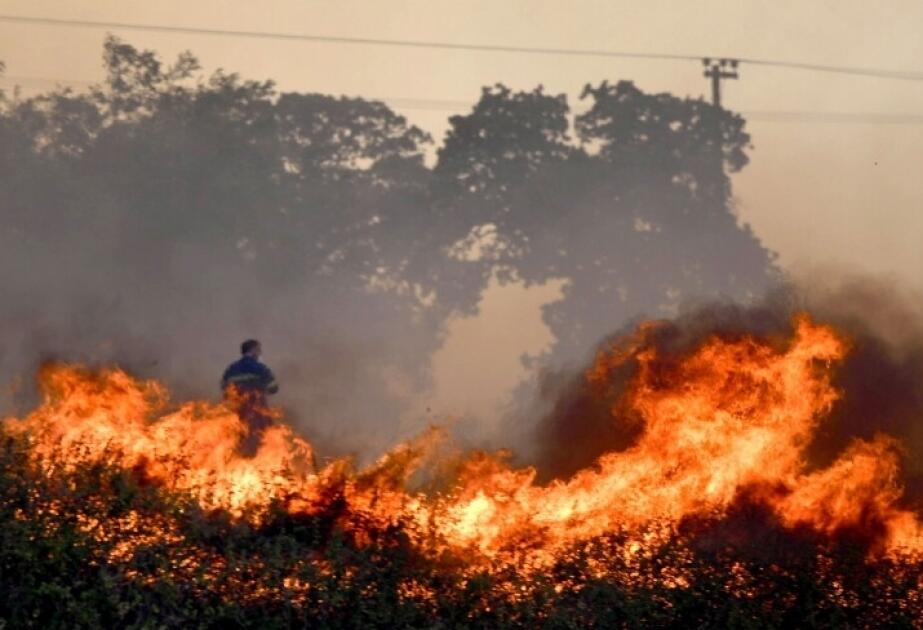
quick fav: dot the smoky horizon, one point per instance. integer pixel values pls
(367, 257)
(424, 314)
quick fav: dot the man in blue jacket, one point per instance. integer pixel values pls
(246, 383)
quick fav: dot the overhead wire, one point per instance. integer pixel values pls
(905, 75)
(446, 105)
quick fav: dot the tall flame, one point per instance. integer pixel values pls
(729, 418)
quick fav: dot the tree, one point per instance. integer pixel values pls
(635, 218)
(167, 203)
(163, 209)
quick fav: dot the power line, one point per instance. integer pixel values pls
(796, 65)
(865, 118)
(446, 105)
(791, 116)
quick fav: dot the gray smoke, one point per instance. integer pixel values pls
(337, 356)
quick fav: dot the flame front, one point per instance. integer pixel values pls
(727, 419)
(732, 416)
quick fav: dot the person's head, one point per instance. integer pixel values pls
(251, 348)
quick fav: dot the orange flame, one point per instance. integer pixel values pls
(729, 417)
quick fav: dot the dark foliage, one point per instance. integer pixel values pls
(63, 563)
(636, 216)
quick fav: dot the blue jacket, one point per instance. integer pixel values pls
(249, 375)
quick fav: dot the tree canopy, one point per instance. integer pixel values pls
(634, 212)
(165, 208)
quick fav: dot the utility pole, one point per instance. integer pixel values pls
(715, 70)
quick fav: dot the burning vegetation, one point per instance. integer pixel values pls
(713, 514)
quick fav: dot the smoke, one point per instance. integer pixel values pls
(179, 317)
(148, 245)
(880, 381)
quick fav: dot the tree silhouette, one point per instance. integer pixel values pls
(635, 216)
(164, 210)
(164, 207)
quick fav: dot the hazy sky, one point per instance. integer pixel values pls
(819, 193)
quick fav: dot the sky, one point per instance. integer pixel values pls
(821, 193)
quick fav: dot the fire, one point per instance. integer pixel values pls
(732, 417)
(108, 415)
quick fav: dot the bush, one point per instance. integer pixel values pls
(97, 547)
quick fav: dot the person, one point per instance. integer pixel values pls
(246, 383)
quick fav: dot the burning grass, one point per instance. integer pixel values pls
(120, 509)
